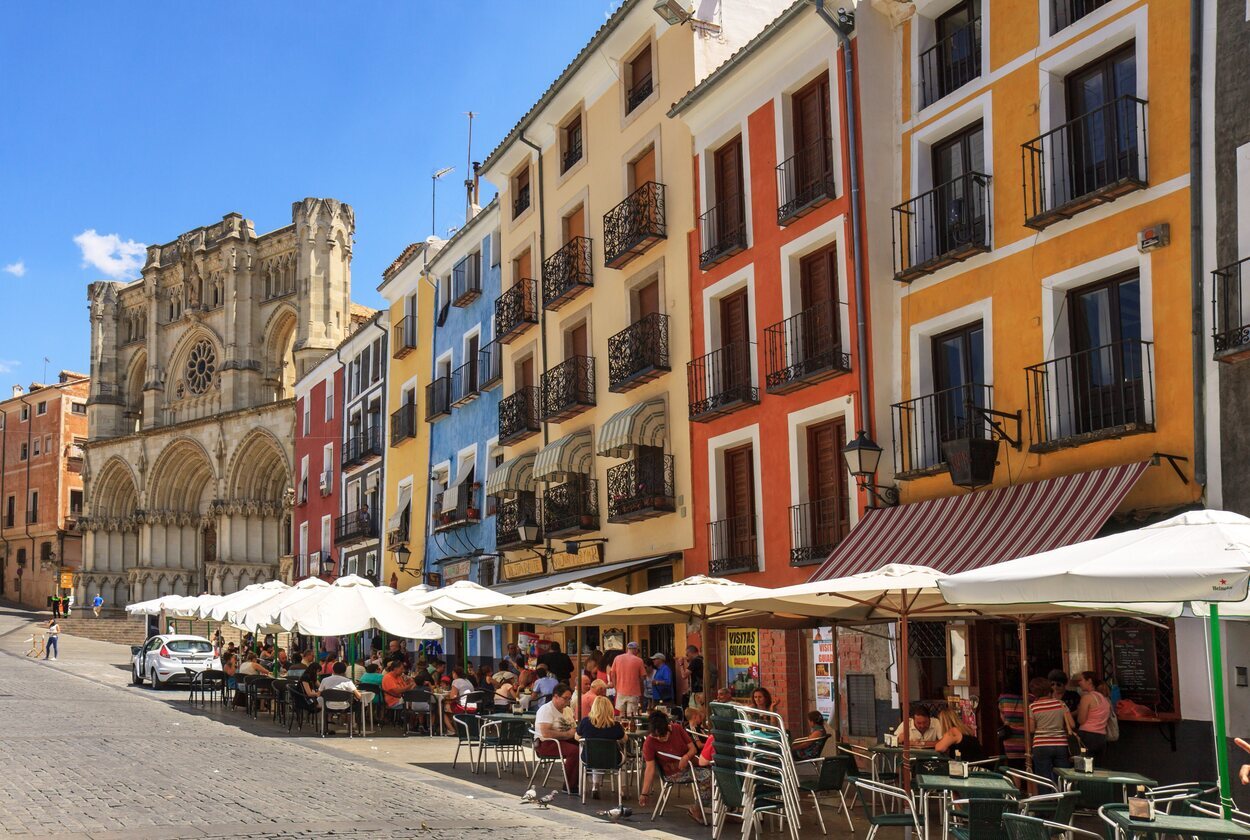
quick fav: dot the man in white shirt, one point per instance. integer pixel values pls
(338, 681)
(924, 729)
(556, 731)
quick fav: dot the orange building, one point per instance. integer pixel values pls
(41, 493)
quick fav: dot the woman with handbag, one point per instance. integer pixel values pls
(1092, 715)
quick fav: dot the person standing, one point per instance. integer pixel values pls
(54, 633)
(558, 663)
(55, 602)
(690, 675)
(1092, 714)
(97, 603)
(661, 679)
(1051, 724)
(628, 673)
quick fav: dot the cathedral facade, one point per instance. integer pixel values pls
(188, 467)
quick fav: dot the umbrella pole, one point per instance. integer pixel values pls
(1023, 636)
(837, 690)
(1217, 707)
(464, 653)
(904, 700)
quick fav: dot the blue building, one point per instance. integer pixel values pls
(462, 406)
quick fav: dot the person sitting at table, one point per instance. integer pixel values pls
(338, 681)
(556, 731)
(592, 691)
(1092, 715)
(281, 662)
(724, 695)
(600, 723)
(925, 731)
(251, 667)
(810, 745)
(306, 696)
(957, 739)
(762, 699)
(1051, 725)
(395, 651)
(461, 683)
(230, 667)
(327, 665)
(668, 749)
(395, 682)
(546, 683)
(266, 656)
(696, 719)
(505, 693)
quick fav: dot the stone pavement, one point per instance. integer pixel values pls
(84, 754)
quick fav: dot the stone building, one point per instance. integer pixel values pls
(189, 462)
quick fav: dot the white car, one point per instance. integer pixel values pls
(167, 659)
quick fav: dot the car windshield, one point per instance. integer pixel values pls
(189, 646)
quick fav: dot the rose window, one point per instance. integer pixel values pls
(201, 365)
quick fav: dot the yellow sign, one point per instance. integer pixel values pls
(744, 661)
(67, 580)
(587, 555)
(522, 567)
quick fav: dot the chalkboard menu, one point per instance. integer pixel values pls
(1135, 663)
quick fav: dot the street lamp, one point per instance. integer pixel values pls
(327, 565)
(862, 457)
(528, 530)
(402, 555)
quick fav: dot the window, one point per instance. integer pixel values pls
(303, 539)
(327, 458)
(10, 511)
(954, 59)
(34, 448)
(371, 565)
(24, 453)
(366, 367)
(1064, 13)
(25, 413)
(958, 380)
(377, 361)
(47, 444)
(45, 551)
(638, 77)
(42, 408)
(521, 190)
(75, 502)
(32, 507)
(571, 143)
(78, 408)
(327, 541)
(307, 422)
(1106, 367)
(732, 538)
(330, 398)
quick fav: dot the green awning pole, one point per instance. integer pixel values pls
(1217, 706)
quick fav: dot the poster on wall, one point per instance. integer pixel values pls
(744, 661)
(823, 670)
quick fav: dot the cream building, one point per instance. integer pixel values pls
(188, 467)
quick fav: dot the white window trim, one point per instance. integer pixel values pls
(329, 410)
(924, 36)
(446, 356)
(743, 278)
(303, 468)
(1049, 40)
(921, 349)
(471, 332)
(707, 175)
(979, 109)
(797, 423)
(716, 448)
(832, 232)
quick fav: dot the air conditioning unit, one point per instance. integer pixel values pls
(326, 479)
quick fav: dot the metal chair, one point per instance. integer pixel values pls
(301, 704)
(831, 778)
(208, 683)
(1178, 799)
(338, 695)
(906, 817)
(1053, 807)
(982, 817)
(547, 760)
(258, 688)
(728, 801)
(604, 757)
(419, 695)
(468, 734)
(669, 782)
(1022, 827)
(1208, 809)
(507, 739)
(1023, 779)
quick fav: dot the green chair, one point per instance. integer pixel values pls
(906, 817)
(730, 803)
(469, 736)
(830, 779)
(605, 757)
(1054, 807)
(1021, 827)
(982, 817)
(1096, 792)
(1178, 799)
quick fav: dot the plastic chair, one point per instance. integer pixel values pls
(831, 778)
(1023, 779)
(338, 695)
(605, 757)
(468, 734)
(1203, 808)
(301, 704)
(1022, 827)
(507, 739)
(547, 760)
(208, 683)
(983, 817)
(1053, 807)
(906, 817)
(728, 801)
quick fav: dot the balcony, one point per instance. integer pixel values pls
(721, 382)
(509, 514)
(1105, 392)
(519, 416)
(634, 225)
(571, 508)
(804, 349)
(438, 399)
(816, 528)
(1230, 312)
(638, 93)
(638, 353)
(805, 182)
(641, 489)
(363, 446)
(404, 337)
(404, 423)
(466, 280)
(732, 546)
(464, 383)
(951, 63)
(569, 388)
(356, 526)
(946, 225)
(1092, 160)
(722, 232)
(522, 201)
(515, 310)
(489, 365)
(567, 273)
(466, 511)
(326, 484)
(923, 424)
(1064, 13)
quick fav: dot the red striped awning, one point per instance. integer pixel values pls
(958, 533)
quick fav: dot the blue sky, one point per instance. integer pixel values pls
(127, 123)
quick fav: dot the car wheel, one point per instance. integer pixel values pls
(156, 680)
(136, 678)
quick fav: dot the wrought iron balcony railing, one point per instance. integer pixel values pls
(489, 365)
(1064, 13)
(567, 273)
(466, 280)
(1230, 311)
(519, 416)
(404, 337)
(571, 507)
(363, 446)
(404, 423)
(569, 388)
(641, 488)
(464, 383)
(634, 225)
(438, 398)
(638, 353)
(805, 348)
(951, 63)
(1090, 160)
(722, 231)
(522, 201)
(721, 381)
(1103, 392)
(639, 93)
(571, 156)
(509, 514)
(515, 310)
(923, 424)
(356, 526)
(816, 528)
(805, 181)
(733, 546)
(466, 511)
(945, 225)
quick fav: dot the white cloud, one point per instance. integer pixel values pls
(7, 365)
(17, 269)
(109, 254)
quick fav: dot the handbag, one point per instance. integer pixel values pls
(1113, 727)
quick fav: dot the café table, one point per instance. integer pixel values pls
(1072, 778)
(884, 755)
(1127, 828)
(366, 711)
(982, 785)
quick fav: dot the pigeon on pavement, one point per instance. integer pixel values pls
(617, 814)
(530, 795)
(546, 801)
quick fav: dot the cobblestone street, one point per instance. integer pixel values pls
(84, 755)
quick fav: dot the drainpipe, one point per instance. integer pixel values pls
(4, 451)
(30, 428)
(1197, 301)
(841, 27)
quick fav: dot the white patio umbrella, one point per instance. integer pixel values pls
(259, 615)
(179, 606)
(351, 605)
(1202, 557)
(698, 598)
(459, 602)
(245, 597)
(548, 605)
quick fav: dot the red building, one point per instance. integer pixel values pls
(775, 385)
(318, 468)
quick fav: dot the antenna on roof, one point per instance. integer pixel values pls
(470, 176)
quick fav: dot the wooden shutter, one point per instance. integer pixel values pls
(733, 318)
(825, 481)
(811, 114)
(644, 168)
(739, 483)
(648, 300)
(521, 268)
(576, 341)
(525, 373)
(575, 224)
(640, 67)
(728, 172)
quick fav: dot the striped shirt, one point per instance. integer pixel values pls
(1048, 724)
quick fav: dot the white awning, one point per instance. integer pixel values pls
(642, 424)
(396, 522)
(516, 475)
(451, 497)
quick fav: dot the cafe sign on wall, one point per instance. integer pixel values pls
(520, 568)
(587, 555)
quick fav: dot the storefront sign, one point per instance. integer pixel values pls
(67, 580)
(457, 570)
(744, 661)
(522, 567)
(822, 659)
(587, 555)
(1135, 661)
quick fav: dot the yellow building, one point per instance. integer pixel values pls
(596, 198)
(411, 300)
